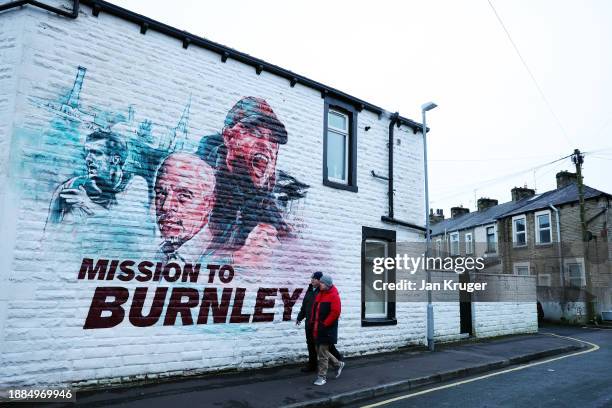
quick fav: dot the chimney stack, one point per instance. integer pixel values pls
(566, 177)
(459, 211)
(518, 193)
(484, 203)
(437, 217)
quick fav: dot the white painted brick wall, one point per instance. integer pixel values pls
(43, 305)
(502, 318)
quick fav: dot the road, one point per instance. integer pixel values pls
(583, 381)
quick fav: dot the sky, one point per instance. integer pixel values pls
(501, 117)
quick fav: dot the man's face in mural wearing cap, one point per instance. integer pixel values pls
(184, 196)
(251, 152)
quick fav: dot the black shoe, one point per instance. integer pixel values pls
(308, 369)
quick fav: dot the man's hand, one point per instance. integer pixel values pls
(78, 198)
(298, 322)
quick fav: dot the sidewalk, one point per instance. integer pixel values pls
(363, 377)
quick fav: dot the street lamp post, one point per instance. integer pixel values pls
(430, 313)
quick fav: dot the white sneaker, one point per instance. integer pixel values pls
(340, 367)
(320, 381)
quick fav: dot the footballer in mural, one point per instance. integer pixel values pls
(215, 197)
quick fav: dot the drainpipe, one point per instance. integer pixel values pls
(559, 250)
(445, 231)
(394, 119)
(390, 217)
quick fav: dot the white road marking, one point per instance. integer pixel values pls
(594, 347)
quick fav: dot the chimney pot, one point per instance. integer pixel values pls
(436, 217)
(459, 211)
(518, 193)
(566, 177)
(483, 203)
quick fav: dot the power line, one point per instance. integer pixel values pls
(604, 149)
(537, 85)
(487, 183)
(492, 159)
(495, 159)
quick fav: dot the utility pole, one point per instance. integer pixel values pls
(578, 159)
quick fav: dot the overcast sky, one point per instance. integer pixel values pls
(492, 121)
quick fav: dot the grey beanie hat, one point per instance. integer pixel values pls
(327, 280)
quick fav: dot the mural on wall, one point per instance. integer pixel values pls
(130, 190)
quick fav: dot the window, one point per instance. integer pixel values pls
(340, 145)
(438, 247)
(469, 243)
(377, 306)
(337, 146)
(575, 273)
(376, 300)
(543, 232)
(544, 279)
(491, 245)
(521, 268)
(519, 231)
(454, 243)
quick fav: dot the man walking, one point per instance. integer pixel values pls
(325, 315)
(305, 312)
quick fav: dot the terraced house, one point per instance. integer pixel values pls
(541, 235)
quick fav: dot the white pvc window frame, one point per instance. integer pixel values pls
(469, 243)
(538, 229)
(519, 268)
(454, 243)
(439, 247)
(492, 244)
(515, 233)
(568, 264)
(346, 133)
(384, 277)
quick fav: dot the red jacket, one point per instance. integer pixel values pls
(325, 314)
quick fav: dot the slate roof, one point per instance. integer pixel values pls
(564, 195)
(476, 218)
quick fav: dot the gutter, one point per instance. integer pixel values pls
(187, 39)
(73, 14)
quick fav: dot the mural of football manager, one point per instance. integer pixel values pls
(246, 214)
(103, 186)
(184, 199)
(252, 135)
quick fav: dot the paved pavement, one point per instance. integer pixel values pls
(583, 380)
(363, 377)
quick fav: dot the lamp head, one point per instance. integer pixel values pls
(428, 106)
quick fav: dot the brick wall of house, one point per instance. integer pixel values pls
(540, 256)
(544, 258)
(558, 300)
(164, 99)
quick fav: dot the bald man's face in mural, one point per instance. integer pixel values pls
(251, 152)
(184, 196)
